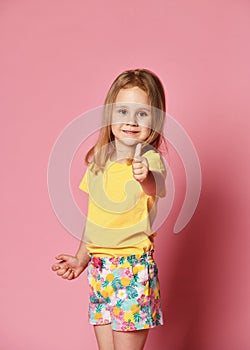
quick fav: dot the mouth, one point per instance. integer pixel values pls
(130, 132)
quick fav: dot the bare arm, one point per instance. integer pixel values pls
(82, 254)
(153, 184)
(69, 266)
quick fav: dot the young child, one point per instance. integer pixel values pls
(124, 178)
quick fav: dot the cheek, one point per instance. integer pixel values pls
(146, 132)
(145, 123)
(115, 128)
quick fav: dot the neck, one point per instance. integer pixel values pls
(123, 152)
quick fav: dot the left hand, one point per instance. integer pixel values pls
(139, 165)
(69, 267)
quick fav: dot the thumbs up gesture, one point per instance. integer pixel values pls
(139, 165)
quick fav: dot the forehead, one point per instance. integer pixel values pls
(132, 95)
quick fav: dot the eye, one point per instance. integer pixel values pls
(142, 114)
(122, 111)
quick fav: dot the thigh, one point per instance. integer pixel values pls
(136, 302)
(98, 312)
(132, 340)
(104, 337)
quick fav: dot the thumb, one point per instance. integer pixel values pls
(138, 149)
(62, 257)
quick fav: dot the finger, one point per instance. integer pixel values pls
(138, 171)
(66, 274)
(137, 164)
(139, 178)
(55, 267)
(138, 149)
(62, 257)
(61, 272)
(59, 265)
(71, 276)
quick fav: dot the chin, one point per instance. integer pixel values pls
(130, 141)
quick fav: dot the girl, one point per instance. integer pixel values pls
(124, 178)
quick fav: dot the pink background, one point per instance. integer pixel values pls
(58, 59)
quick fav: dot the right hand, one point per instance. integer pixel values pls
(69, 267)
(140, 166)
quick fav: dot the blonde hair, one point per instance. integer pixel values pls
(148, 82)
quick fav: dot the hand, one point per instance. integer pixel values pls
(139, 165)
(69, 267)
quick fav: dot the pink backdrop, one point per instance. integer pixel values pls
(58, 59)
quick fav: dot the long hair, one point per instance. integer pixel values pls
(148, 82)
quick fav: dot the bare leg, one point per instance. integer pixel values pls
(104, 337)
(132, 340)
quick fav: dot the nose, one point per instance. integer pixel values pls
(132, 120)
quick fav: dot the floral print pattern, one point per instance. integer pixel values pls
(125, 292)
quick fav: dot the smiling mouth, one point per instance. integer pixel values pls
(130, 132)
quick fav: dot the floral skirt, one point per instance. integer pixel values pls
(124, 292)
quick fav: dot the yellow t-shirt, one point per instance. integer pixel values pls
(120, 214)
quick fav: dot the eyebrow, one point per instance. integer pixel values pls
(123, 106)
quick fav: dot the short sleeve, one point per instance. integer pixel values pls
(84, 184)
(156, 164)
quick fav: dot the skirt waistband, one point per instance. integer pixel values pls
(99, 262)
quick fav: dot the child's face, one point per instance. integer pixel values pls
(131, 117)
